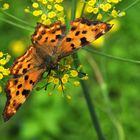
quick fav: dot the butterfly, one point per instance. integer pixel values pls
(49, 45)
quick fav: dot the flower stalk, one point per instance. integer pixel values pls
(16, 18)
(120, 59)
(84, 87)
(16, 24)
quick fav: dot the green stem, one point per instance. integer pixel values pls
(16, 18)
(91, 50)
(73, 9)
(15, 24)
(84, 87)
(90, 104)
(92, 111)
(104, 91)
(131, 5)
(83, 9)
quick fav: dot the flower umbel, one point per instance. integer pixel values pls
(63, 75)
(103, 9)
(4, 59)
(47, 11)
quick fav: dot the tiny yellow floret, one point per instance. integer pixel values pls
(49, 7)
(50, 79)
(69, 97)
(91, 2)
(35, 5)
(73, 73)
(27, 10)
(37, 12)
(61, 88)
(3, 61)
(66, 75)
(6, 72)
(76, 83)
(50, 0)
(121, 14)
(51, 14)
(1, 54)
(99, 16)
(89, 9)
(95, 10)
(43, 16)
(64, 80)
(44, 2)
(114, 13)
(58, 7)
(1, 76)
(47, 22)
(59, 1)
(1, 68)
(85, 78)
(56, 81)
(62, 19)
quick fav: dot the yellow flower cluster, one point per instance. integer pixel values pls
(65, 75)
(47, 11)
(103, 7)
(4, 59)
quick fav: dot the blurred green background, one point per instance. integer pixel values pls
(56, 118)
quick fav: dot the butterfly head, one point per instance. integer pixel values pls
(101, 28)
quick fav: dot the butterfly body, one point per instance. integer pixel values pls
(49, 45)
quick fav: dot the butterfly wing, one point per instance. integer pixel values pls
(46, 38)
(26, 62)
(23, 81)
(82, 33)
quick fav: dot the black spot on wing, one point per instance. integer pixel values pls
(24, 70)
(43, 32)
(73, 28)
(84, 32)
(58, 29)
(58, 36)
(53, 40)
(88, 22)
(31, 82)
(26, 77)
(85, 21)
(25, 92)
(17, 93)
(84, 41)
(29, 65)
(77, 33)
(46, 39)
(68, 39)
(19, 86)
(72, 46)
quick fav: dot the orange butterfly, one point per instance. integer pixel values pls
(49, 45)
